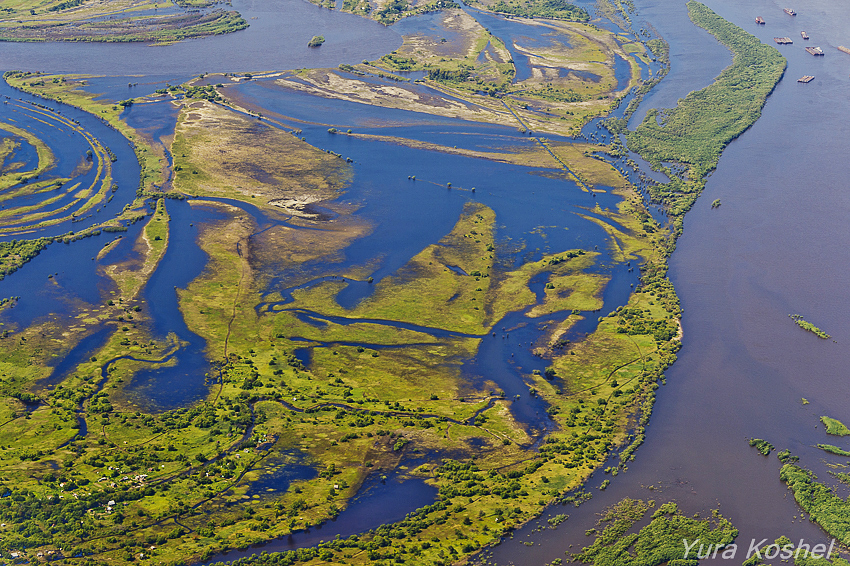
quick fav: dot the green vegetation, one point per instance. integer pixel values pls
(184, 481)
(763, 446)
(395, 10)
(833, 450)
(824, 507)
(843, 477)
(834, 560)
(16, 253)
(658, 542)
(316, 41)
(703, 123)
(74, 20)
(555, 9)
(834, 426)
(65, 89)
(715, 203)
(810, 327)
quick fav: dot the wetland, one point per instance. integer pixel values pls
(362, 305)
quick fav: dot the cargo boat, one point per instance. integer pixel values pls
(759, 20)
(815, 51)
(790, 12)
(804, 34)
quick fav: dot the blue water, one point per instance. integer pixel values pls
(69, 148)
(116, 88)
(172, 387)
(377, 503)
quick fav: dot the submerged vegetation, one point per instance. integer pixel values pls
(834, 426)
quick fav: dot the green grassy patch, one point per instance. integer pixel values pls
(834, 426)
(657, 543)
(704, 122)
(809, 326)
(824, 507)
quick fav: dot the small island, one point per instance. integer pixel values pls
(317, 41)
(809, 326)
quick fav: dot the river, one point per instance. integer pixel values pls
(773, 248)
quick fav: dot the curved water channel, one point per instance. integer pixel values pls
(773, 248)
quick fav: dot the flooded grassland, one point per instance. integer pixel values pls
(331, 279)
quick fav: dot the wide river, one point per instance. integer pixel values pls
(773, 248)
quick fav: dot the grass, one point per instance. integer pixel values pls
(131, 276)
(703, 123)
(116, 21)
(834, 426)
(556, 9)
(477, 68)
(833, 450)
(658, 542)
(823, 506)
(360, 407)
(809, 326)
(67, 89)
